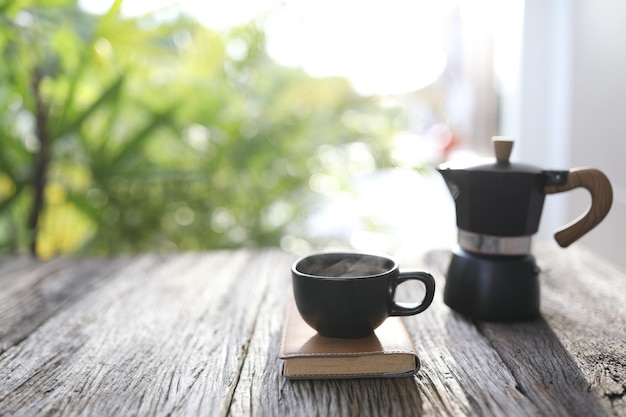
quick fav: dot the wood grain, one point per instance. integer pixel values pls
(33, 291)
(553, 360)
(146, 343)
(198, 334)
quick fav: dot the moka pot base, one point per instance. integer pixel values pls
(493, 287)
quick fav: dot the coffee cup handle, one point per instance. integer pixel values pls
(406, 309)
(601, 192)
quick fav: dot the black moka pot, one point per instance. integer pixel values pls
(492, 274)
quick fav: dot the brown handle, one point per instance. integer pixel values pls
(601, 199)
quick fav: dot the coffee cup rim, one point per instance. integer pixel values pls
(295, 271)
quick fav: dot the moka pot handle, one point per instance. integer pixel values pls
(601, 192)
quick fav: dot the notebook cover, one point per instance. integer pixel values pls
(389, 352)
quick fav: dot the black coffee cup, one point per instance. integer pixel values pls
(348, 295)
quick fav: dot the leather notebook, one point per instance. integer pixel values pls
(389, 352)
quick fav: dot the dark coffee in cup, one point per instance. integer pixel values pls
(349, 295)
(347, 267)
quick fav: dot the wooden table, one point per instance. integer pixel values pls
(197, 334)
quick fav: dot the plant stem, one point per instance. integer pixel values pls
(40, 162)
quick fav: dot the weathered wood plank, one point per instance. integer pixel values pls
(198, 334)
(164, 336)
(537, 353)
(462, 374)
(469, 368)
(32, 291)
(585, 306)
(444, 386)
(262, 391)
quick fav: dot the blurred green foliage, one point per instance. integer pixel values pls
(127, 134)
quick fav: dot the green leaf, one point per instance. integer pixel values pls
(84, 61)
(79, 201)
(136, 142)
(13, 5)
(5, 204)
(12, 157)
(107, 95)
(114, 10)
